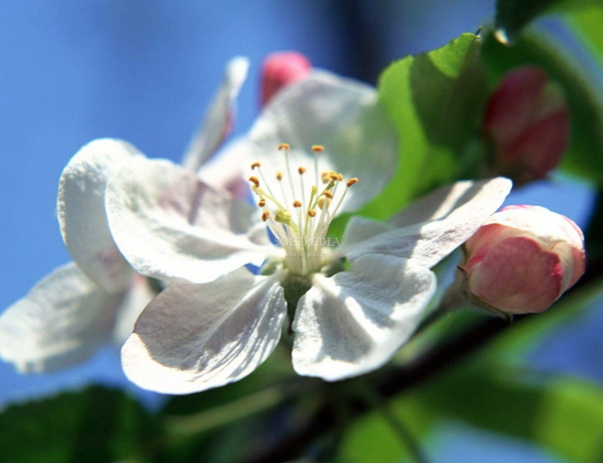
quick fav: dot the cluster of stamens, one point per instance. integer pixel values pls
(298, 210)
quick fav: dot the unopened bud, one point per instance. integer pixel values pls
(527, 125)
(280, 70)
(521, 260)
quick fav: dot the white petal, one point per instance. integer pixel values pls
(171, 226)
(196, 337)
(81, 211)
(226, 170)
(343, 115)
(138, 295)
(353, 322)
(435, 225)
(63, 320)
(483, 195)
(360, 229)
(217, 121)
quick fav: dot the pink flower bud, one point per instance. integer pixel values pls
(522, 259)
(282, 69)
(527, 124)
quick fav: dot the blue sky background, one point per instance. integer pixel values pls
(144, 70)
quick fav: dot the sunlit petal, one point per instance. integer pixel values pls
(62, 321)
(218, 119)
(81, 211)
(433, 226)
(355, 321)
(171, 226)
(196, 337)
(341, 114)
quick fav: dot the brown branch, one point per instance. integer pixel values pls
(394, 382)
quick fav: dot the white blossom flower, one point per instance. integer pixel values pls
(81, 306)
(350, 307)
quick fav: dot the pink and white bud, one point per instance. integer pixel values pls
(282, 69)
(527, 125)
(521, 260)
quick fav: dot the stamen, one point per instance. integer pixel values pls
(316, 149)
(257, 165)
(349, 183)
(299, 215)
(286, 148)
(301, 170)
(279, 177)
(262, 194)
(323, 203)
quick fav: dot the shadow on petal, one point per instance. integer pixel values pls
(195, 337)
(354, 321)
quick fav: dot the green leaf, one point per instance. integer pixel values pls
(495, 391)
(372, 437)
(562, 414)
(586, 24)
(93, 425)
(513, 15)
(436, 100)
(226, 424)
(585, 153)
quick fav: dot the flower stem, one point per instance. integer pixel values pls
(225, 414)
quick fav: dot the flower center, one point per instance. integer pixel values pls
(298, 210)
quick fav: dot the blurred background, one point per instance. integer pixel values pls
(144, 71)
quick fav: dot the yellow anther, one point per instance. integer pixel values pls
(312, 213)
(284, 147)
(323, 203)
(318, 148)
(279, 176)
(265, 215)
(335, 176)
(301, 170)
(340, 177)
(328, 194)
(255, 165)
(255, 181)
(297, 204)
(262, 202)
(325, 176)
(351, 182)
